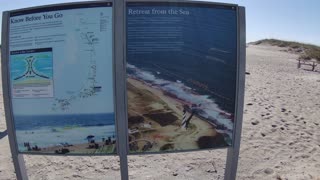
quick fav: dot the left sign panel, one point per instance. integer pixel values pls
(61, 79)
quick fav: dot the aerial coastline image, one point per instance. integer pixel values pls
(183, 99)
(166, 116)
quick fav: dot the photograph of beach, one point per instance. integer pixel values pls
(66, 134)
(180, 88)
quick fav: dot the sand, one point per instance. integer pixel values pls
(280, 136)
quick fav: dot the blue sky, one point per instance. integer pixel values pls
(296, 20)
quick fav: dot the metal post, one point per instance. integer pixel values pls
(233, 152)
(120, 76)
(17, 158)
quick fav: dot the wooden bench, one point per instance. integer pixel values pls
(311, 63)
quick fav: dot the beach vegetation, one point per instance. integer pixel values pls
(305, 51)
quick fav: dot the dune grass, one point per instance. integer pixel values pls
(307, 51)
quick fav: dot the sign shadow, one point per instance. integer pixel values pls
(3, 134)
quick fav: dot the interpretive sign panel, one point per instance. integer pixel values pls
(181, 75)
(61, 79)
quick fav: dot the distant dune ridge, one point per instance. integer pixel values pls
(280, 135)
(305, 51)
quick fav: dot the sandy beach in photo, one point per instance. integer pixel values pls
(79, 149)
(66, 140)
(280, 136)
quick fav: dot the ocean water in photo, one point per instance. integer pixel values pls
(198, 49)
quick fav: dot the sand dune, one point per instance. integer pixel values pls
(280, 136)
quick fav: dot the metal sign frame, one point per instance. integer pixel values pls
(120, 94)
(233, 151)
(17, 158)
(6, 64)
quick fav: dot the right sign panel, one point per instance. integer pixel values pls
(181, 76)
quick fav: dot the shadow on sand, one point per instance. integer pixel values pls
(3, 134)
(318, 71)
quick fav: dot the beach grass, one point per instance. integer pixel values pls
(306, 51)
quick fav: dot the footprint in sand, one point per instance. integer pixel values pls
(268, 171)
(256, 122)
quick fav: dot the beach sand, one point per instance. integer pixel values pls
(79, 149)
(280, 135)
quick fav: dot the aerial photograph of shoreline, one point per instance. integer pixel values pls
(181, 88)
(168, 116)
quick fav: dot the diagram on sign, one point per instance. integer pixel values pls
(90, 87)
(31, 73)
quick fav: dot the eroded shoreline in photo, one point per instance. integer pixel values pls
(155, 122)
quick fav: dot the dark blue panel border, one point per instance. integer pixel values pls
(182, 4)
(60, 7)
(30, 51)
